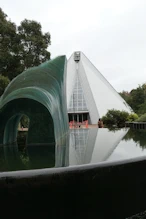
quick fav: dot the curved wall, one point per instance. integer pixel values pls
(39, 93)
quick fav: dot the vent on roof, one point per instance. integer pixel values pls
(77, 56)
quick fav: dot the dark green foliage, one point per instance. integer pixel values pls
(142, 108)
(136, 99)
(21, 47)
(115, 117)
(142, 118)
(9, 46)
(4, 81)
(118, 118)
(125, 95)
(33, 43)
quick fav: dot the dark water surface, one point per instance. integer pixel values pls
(87, 146)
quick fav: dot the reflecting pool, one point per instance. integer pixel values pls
(87, 146)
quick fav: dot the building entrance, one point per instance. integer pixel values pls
(78, 117)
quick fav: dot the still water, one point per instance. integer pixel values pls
(87, 146)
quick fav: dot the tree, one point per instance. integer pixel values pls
(142, 118)
(34, 44)
(117, 117)
(9, 61)
(4, 81)
(125, 95)
(21, 47)
(136, 99)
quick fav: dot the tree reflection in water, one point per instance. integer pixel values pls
(138, 136)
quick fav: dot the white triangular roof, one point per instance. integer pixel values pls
(99, 95)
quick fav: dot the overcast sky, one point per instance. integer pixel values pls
(111, 33)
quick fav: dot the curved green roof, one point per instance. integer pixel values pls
(42, 88)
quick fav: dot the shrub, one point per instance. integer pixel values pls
(117, 117)
(142, 118)
(132, 117)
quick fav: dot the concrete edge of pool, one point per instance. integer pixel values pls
(70, 169)
(104, 190)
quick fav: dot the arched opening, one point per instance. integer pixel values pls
(38, 142)
(41, 126)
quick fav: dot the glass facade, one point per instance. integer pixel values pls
(77, 102)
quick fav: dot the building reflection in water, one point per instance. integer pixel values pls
(87, 146)
(93, 145)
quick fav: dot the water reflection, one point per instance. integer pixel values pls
(82, 142)
(13, 157)
(132, 145)
(23, 156)
(138, 136)
(93, 145)
(87, 146)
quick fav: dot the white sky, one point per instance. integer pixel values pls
(111, 33)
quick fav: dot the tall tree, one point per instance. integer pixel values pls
(34, 43)
(21, 47)
(125, 95)
(9, 60)
(136, 98)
